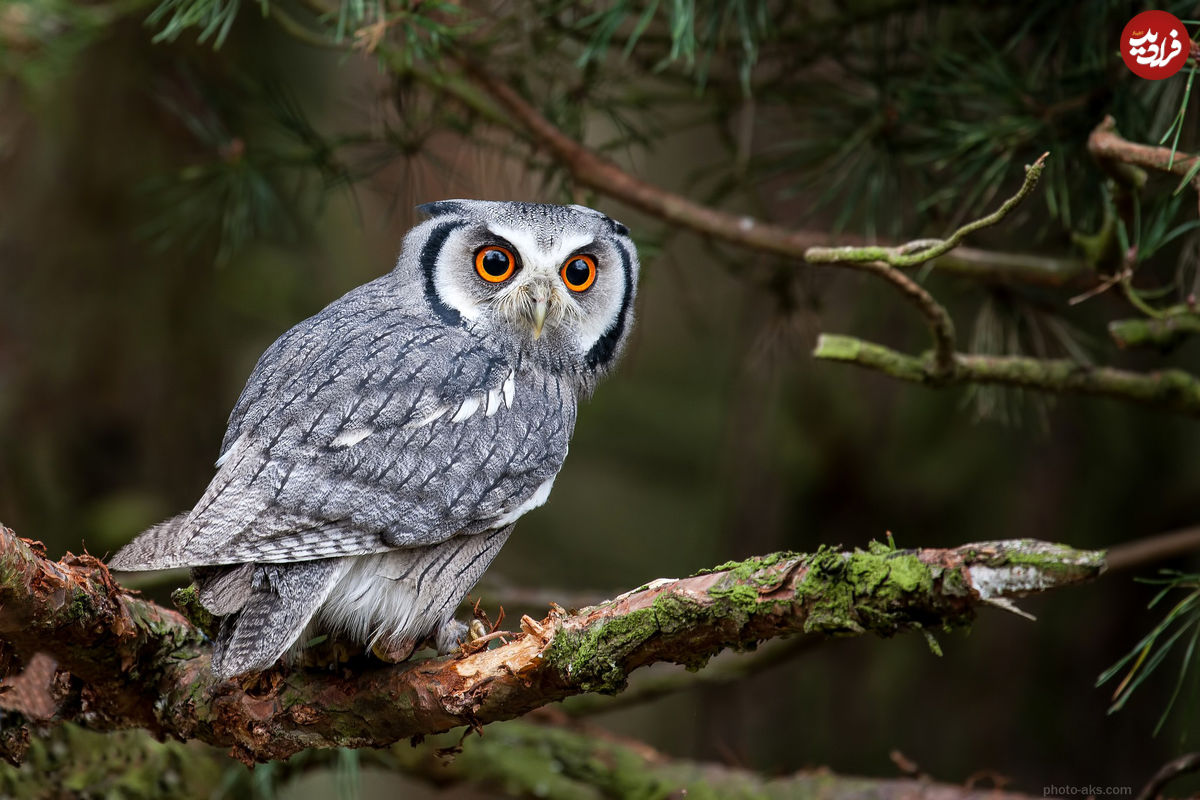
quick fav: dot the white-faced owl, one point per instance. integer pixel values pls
(382, 450)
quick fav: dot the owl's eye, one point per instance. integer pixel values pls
(495, 264)
(579, 273)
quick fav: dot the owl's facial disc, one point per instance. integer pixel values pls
(558, 282)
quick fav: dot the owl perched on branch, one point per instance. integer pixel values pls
(382, 450)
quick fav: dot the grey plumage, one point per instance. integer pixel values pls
(381, 450)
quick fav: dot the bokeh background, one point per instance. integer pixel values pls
(126, 334)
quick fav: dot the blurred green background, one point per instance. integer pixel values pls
(126, 334)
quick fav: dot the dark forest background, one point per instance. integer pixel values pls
(168, 208)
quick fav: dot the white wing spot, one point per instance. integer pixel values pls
(510, 389)
(235, 446)
(429, 418)
(494, 401)
(490, 401)
(468, 407)
(538, 498)
(350, 438)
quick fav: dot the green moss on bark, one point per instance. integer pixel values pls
(880, 590)
(187, 600)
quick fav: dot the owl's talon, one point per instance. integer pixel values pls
(476, 630)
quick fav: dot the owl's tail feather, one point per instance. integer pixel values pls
(155, 548)
(282, 601)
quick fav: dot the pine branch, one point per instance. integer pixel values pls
(595, 172)
(1171, 390)
(138, 665)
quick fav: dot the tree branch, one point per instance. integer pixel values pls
(548, 760)
(569, 763)
(137, 665)
(1163, 332)
(1174, 390)
(1152, 549)
(1107, 145)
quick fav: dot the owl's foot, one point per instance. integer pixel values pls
(449, 636)
(452, 635)
(394, 651)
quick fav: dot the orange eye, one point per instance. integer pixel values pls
(579, 272)
(495, 264)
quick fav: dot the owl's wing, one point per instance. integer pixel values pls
(363, 430)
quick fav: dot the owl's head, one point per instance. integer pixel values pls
(556, 283)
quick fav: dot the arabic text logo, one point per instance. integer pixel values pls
(1155, 45)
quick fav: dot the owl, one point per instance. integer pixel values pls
(382, 450)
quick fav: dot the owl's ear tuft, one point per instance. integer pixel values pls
(441, 208)
(617, 227)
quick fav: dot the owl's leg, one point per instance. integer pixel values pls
(283, 599)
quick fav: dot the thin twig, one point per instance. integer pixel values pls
(1164, 332)
(885, 261)
(904, 255)
(1169, 772)
(941, 325)
(1153, 549)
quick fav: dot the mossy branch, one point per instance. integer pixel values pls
(134, 664)
(1172, 390)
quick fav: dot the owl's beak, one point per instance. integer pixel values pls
(539, 314)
